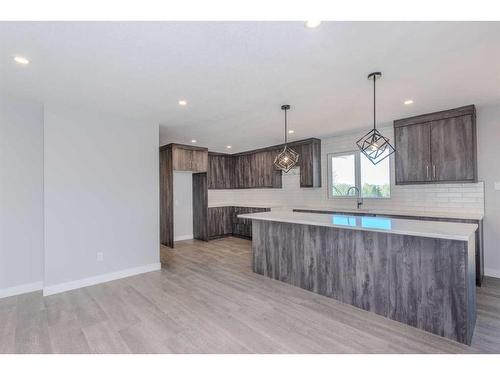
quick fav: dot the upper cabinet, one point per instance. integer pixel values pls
(413, 153)
(255, 169)
(438, 147)
(189, 158)
(220, 171)
(309, 162)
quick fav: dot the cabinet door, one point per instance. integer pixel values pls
(199, 161)
(310, 163)
(182, 159)
(220, 172)
(413, 153)
(245, 171)
(219, 221)
(453, 149)
(213, 174)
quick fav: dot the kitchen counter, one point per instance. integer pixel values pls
(250, 205)
(417, 272)
(421, 228)
(378, 211)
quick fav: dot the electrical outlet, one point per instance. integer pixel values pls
(497, 185)
(100, 257)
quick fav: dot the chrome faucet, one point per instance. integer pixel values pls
(359, 199)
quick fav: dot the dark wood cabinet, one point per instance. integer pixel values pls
(189, 158)
(224, 221)
(200, 206)
(220, 171)
(413, 153)
(310, 163)
(243, 227)
(438, 147)
(199, 161)
(452, 148)
(255, 169)
(220, 221)
(177, 157)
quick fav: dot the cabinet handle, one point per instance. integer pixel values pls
(434, 171)
(427, 170)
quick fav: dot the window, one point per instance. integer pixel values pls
(343, 174)
(350, 169)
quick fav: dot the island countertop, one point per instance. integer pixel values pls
(421, 228)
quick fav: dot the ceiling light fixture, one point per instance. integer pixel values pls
(312, 24)
(228, 146)
(287, 158)
(183, 103)
(21, 60)
(409, 101)
(373, 144)
(291, 131)
(193, 141)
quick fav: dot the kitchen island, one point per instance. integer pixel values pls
(421, 273)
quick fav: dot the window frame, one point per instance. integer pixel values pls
(357, 175)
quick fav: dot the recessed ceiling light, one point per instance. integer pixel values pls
(291, 131)
(229, 146)
(21, 60)
(183, 103)
(193, 141)
(409, 101)
(312, 24)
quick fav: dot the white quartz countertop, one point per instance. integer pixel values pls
(375, 211)
(260, 205)
(381, 211)
(421, 228)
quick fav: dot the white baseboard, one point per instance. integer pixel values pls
(492, 272)
(184, 237)
(63, 287)
(21, 289)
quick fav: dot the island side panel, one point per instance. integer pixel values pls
(471, 286)
(422, 282)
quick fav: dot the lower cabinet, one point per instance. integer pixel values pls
(220, 222)
(224, 221)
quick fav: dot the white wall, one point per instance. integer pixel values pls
(183, 206)
(488, 120)
(101, 195)
(21, 196)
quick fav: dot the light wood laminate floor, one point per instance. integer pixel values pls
(206, 299)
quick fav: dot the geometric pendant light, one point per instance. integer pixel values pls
(373, 144)
(287, 158)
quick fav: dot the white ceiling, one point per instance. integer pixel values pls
(236, 75)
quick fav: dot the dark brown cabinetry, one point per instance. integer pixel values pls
(224, 221)
(413, 153)
(243, 227)
(255, 169)
(220, 221)
(453, 149)
(189, 158)
(436, 148)
(176, 157)
(310, 163)
(220, 171)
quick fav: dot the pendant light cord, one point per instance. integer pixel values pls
(286, 137)
(374, 95)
